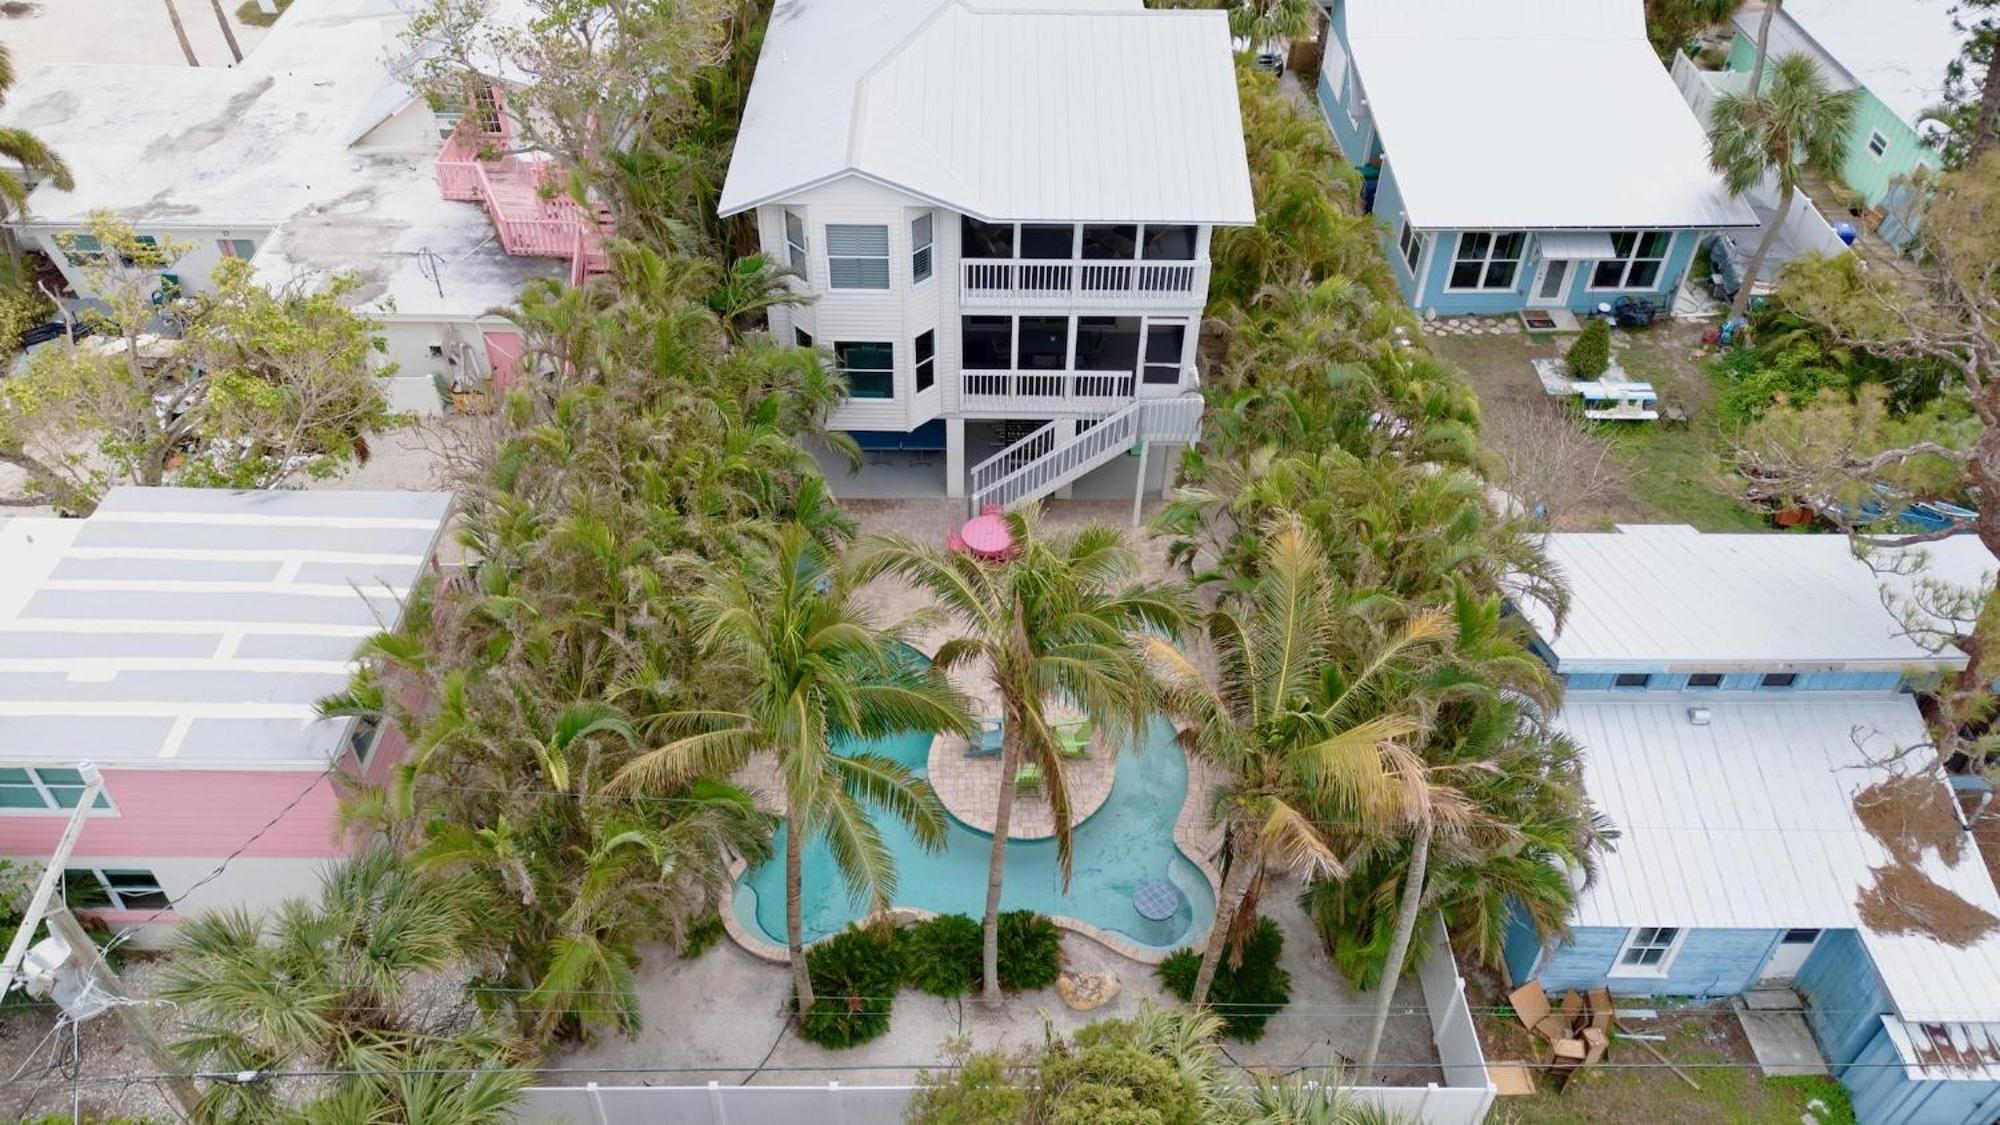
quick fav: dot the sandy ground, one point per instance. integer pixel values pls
(719, 1018)
(118, 31)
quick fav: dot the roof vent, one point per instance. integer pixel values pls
(1698, 716)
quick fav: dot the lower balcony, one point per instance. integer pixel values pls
(1013, 393)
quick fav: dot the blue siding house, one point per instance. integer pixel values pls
(1734, 697)
(1521, 155)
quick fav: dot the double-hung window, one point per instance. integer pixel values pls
(1412, 245)
(922, 232)
(926, 361)
(1649, 950)
(795, 243)
(44, 789)
(1487, 259)
(1638, 257)
(364, 737)
(857, 256)
(870, 367)
(1878, 145)
(1632, 680)
(113, 888)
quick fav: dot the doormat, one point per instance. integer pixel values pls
(1538, 321)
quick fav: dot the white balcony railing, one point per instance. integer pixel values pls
(1081, 282)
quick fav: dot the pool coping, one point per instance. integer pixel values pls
(1194, 839)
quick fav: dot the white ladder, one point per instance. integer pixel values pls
(1042, 462)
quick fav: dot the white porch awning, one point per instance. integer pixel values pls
(1576, 246)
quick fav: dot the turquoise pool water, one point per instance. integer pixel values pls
(1126, 842)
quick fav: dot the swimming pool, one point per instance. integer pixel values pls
(1126, 842)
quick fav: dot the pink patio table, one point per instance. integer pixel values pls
(987, 536)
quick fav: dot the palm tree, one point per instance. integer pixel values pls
(1799, 123)
(1763, 45)
(813, 667)
(23, 149)
(228, 34)
(180, 33)
(1263, 22)
(1060, 622)
(1299, 723)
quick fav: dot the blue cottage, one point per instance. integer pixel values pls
(1521, 156)
(1739, 701)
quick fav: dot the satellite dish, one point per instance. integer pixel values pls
(49, 973)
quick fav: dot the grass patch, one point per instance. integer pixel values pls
(249, 13)
(1676, 474)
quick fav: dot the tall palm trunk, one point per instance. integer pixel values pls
(180, 33)
(795, 922)
(1399, 950)
(996, 863)
(228, 33)
(1741, 307)
(1235, 886)
(1763, 47)
(1986, 133)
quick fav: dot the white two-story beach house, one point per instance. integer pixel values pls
(1000, 213)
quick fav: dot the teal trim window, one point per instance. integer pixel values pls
(870, 367)
(82, 249)
(44, 789)
(114, 888)
(1640, 255)
(243, 248)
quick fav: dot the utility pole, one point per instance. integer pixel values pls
(31, 918)
(138, 1021)
(228, 35)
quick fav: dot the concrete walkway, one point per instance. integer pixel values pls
(1774, 1021)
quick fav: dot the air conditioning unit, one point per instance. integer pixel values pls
(1699, 716)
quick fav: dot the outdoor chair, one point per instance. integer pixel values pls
(1602, 1011)
(1567, 1059)
(1029, 779)
(1531, 1006)
(985, 741)
(1073, 738)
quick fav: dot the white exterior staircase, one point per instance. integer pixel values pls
(1043, 461)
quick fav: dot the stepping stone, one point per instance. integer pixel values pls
(1084, 992)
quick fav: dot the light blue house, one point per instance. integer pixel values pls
(1736, 697)
(1521, 155)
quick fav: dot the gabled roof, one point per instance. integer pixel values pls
(1533, 115)
(180, 628)
(1898, 49)
(1748, 822)
(1001, 109)
(1668, 595)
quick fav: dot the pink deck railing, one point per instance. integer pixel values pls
(528, 221)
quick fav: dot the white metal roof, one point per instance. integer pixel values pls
(1899, 49)
(1748, 822)
(1067, 111)
(1668, 595)
(1533, 114)
(198, 627)
(265, 146)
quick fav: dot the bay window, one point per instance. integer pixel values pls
(857, 256)
(870, 367)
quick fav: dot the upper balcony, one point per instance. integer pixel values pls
(1081, 282)
(523, 196)
(1082, 265)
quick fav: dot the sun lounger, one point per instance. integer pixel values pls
(1073, 738)
(986, 741)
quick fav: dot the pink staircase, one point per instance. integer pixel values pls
(531, 220)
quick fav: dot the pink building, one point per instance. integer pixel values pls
(180, 640)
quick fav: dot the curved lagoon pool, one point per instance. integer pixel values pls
(1127, 842)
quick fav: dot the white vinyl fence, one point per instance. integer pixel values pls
(1462, 1099)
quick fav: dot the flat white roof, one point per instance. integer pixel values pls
(189, 628)
(265, 146)
(1533, 115)
(1748, 822)
(1899, 49)
(1668, 595)
(1057, 110)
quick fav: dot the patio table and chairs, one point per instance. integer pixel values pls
(986, 536)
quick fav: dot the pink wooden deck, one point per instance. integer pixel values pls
(531, 219)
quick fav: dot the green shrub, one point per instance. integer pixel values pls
(1753, 382)
(249, 13)
(855, 974)
(979, 1092)
(702, 936)
(21, 307)
(1247, 996)
(1590, 355)
(1030, 951)
(1111, 1076)
(941, 955)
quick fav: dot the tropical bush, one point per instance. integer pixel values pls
(941, 955)
(1247, 994)
(701, 936)
(22, 307)
(1030, 951)
(855, 974)
(1590, 353)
